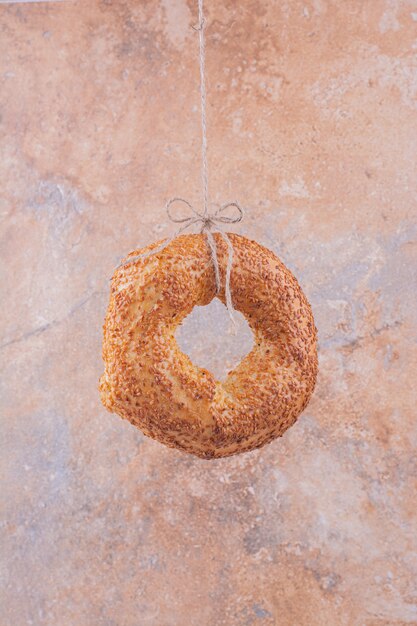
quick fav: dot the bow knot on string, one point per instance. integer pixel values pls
(209, 224)
(208, 220)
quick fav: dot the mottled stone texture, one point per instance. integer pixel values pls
(312, 126)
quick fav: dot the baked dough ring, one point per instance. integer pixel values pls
(151, 383)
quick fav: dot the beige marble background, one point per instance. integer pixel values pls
(312, 126)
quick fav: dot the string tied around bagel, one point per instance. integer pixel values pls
(209, 223)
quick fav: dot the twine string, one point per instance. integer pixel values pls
(210, 222)
(203, 100)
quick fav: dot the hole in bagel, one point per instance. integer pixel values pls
(205, 336)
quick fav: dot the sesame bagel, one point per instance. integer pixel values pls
(151, 383)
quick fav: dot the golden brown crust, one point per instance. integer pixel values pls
(151, 383)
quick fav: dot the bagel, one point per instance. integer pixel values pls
(151, 383)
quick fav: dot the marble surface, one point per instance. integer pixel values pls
(312, 127)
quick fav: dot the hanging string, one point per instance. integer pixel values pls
(210, 222)
(202, 42)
